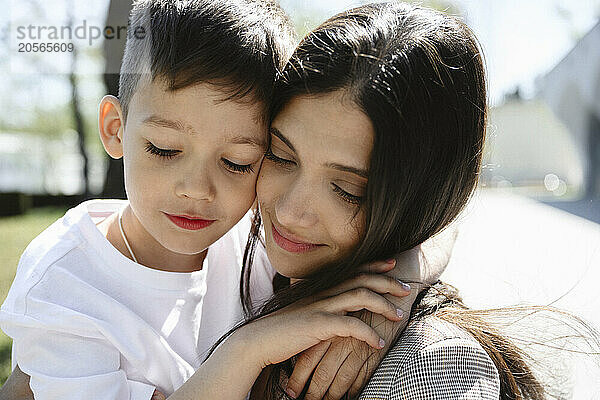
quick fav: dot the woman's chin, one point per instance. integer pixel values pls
(290, 267)
(290, 272)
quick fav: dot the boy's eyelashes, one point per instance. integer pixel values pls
(157, 151)
(229, 165)
(237, 168)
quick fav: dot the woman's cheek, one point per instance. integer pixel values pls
(269, 184)
(346, 227)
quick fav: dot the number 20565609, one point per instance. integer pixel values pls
(45, 47)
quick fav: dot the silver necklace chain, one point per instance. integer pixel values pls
(123, 235)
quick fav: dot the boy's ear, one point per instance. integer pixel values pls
(111, 125)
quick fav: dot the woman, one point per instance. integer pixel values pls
(375, 147)
(376, 143)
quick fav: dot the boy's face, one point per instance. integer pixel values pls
(191, 162)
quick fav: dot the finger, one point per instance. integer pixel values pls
(359, 299)
(366, 372)
(345, 326)
(158, 396)
(382, 284)
(306, 363)
(326, 370)
(378, 267)
(351, 369)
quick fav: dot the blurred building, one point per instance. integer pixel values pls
(531, 151)
(572, 90)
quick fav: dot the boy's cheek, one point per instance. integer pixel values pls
(238, 197)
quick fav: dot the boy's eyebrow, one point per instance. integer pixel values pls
(285, 140)
(177, 125)
(252, 141)
(166, 123)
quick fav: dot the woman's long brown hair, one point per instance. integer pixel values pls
(419, 76)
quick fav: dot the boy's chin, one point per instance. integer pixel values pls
(185, 250)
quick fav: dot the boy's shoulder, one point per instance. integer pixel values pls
(54, 243)
(66, 233)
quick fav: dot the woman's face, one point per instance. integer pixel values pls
(312, 182)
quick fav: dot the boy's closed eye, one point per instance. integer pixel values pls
(160, 152)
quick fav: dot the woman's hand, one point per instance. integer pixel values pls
(345, 365)
(310, 321)
(232, 369)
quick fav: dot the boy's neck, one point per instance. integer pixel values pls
(148, 251)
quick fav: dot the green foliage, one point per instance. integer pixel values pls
(307, 17)
(47, 122)
(441, 5)
(306, 20)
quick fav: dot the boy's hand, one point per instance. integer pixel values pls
(16, 387)
(345, 365)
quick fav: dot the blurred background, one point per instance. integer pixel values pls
(530, 235)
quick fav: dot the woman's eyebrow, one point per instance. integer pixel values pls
(357, 171)
(285, 140)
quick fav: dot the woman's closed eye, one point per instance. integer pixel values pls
(350, 198)
(269, 155)
(164, 153)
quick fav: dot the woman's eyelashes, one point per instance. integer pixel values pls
(228, 164)
(350, 198)
(269, 155)
(164, 153)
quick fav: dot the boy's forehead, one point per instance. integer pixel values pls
(194, 105)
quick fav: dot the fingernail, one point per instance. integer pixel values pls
(399, 312)
(405, 286)
(381, 343)
(391, 261)
(291, 393)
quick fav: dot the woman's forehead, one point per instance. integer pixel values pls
(328, 125)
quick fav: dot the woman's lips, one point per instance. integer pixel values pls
(189, 223)
(293, 246)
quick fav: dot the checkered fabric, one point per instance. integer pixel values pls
(434, 360)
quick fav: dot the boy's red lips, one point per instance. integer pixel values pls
(189, 222)
(290, 242)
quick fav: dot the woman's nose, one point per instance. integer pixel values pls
(294, 208)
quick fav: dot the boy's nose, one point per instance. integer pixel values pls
(196, 186)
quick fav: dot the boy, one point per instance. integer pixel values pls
(190, 123)
(118, 299)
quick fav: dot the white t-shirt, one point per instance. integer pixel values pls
(88, 323)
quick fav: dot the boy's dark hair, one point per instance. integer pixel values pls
(238, 45)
